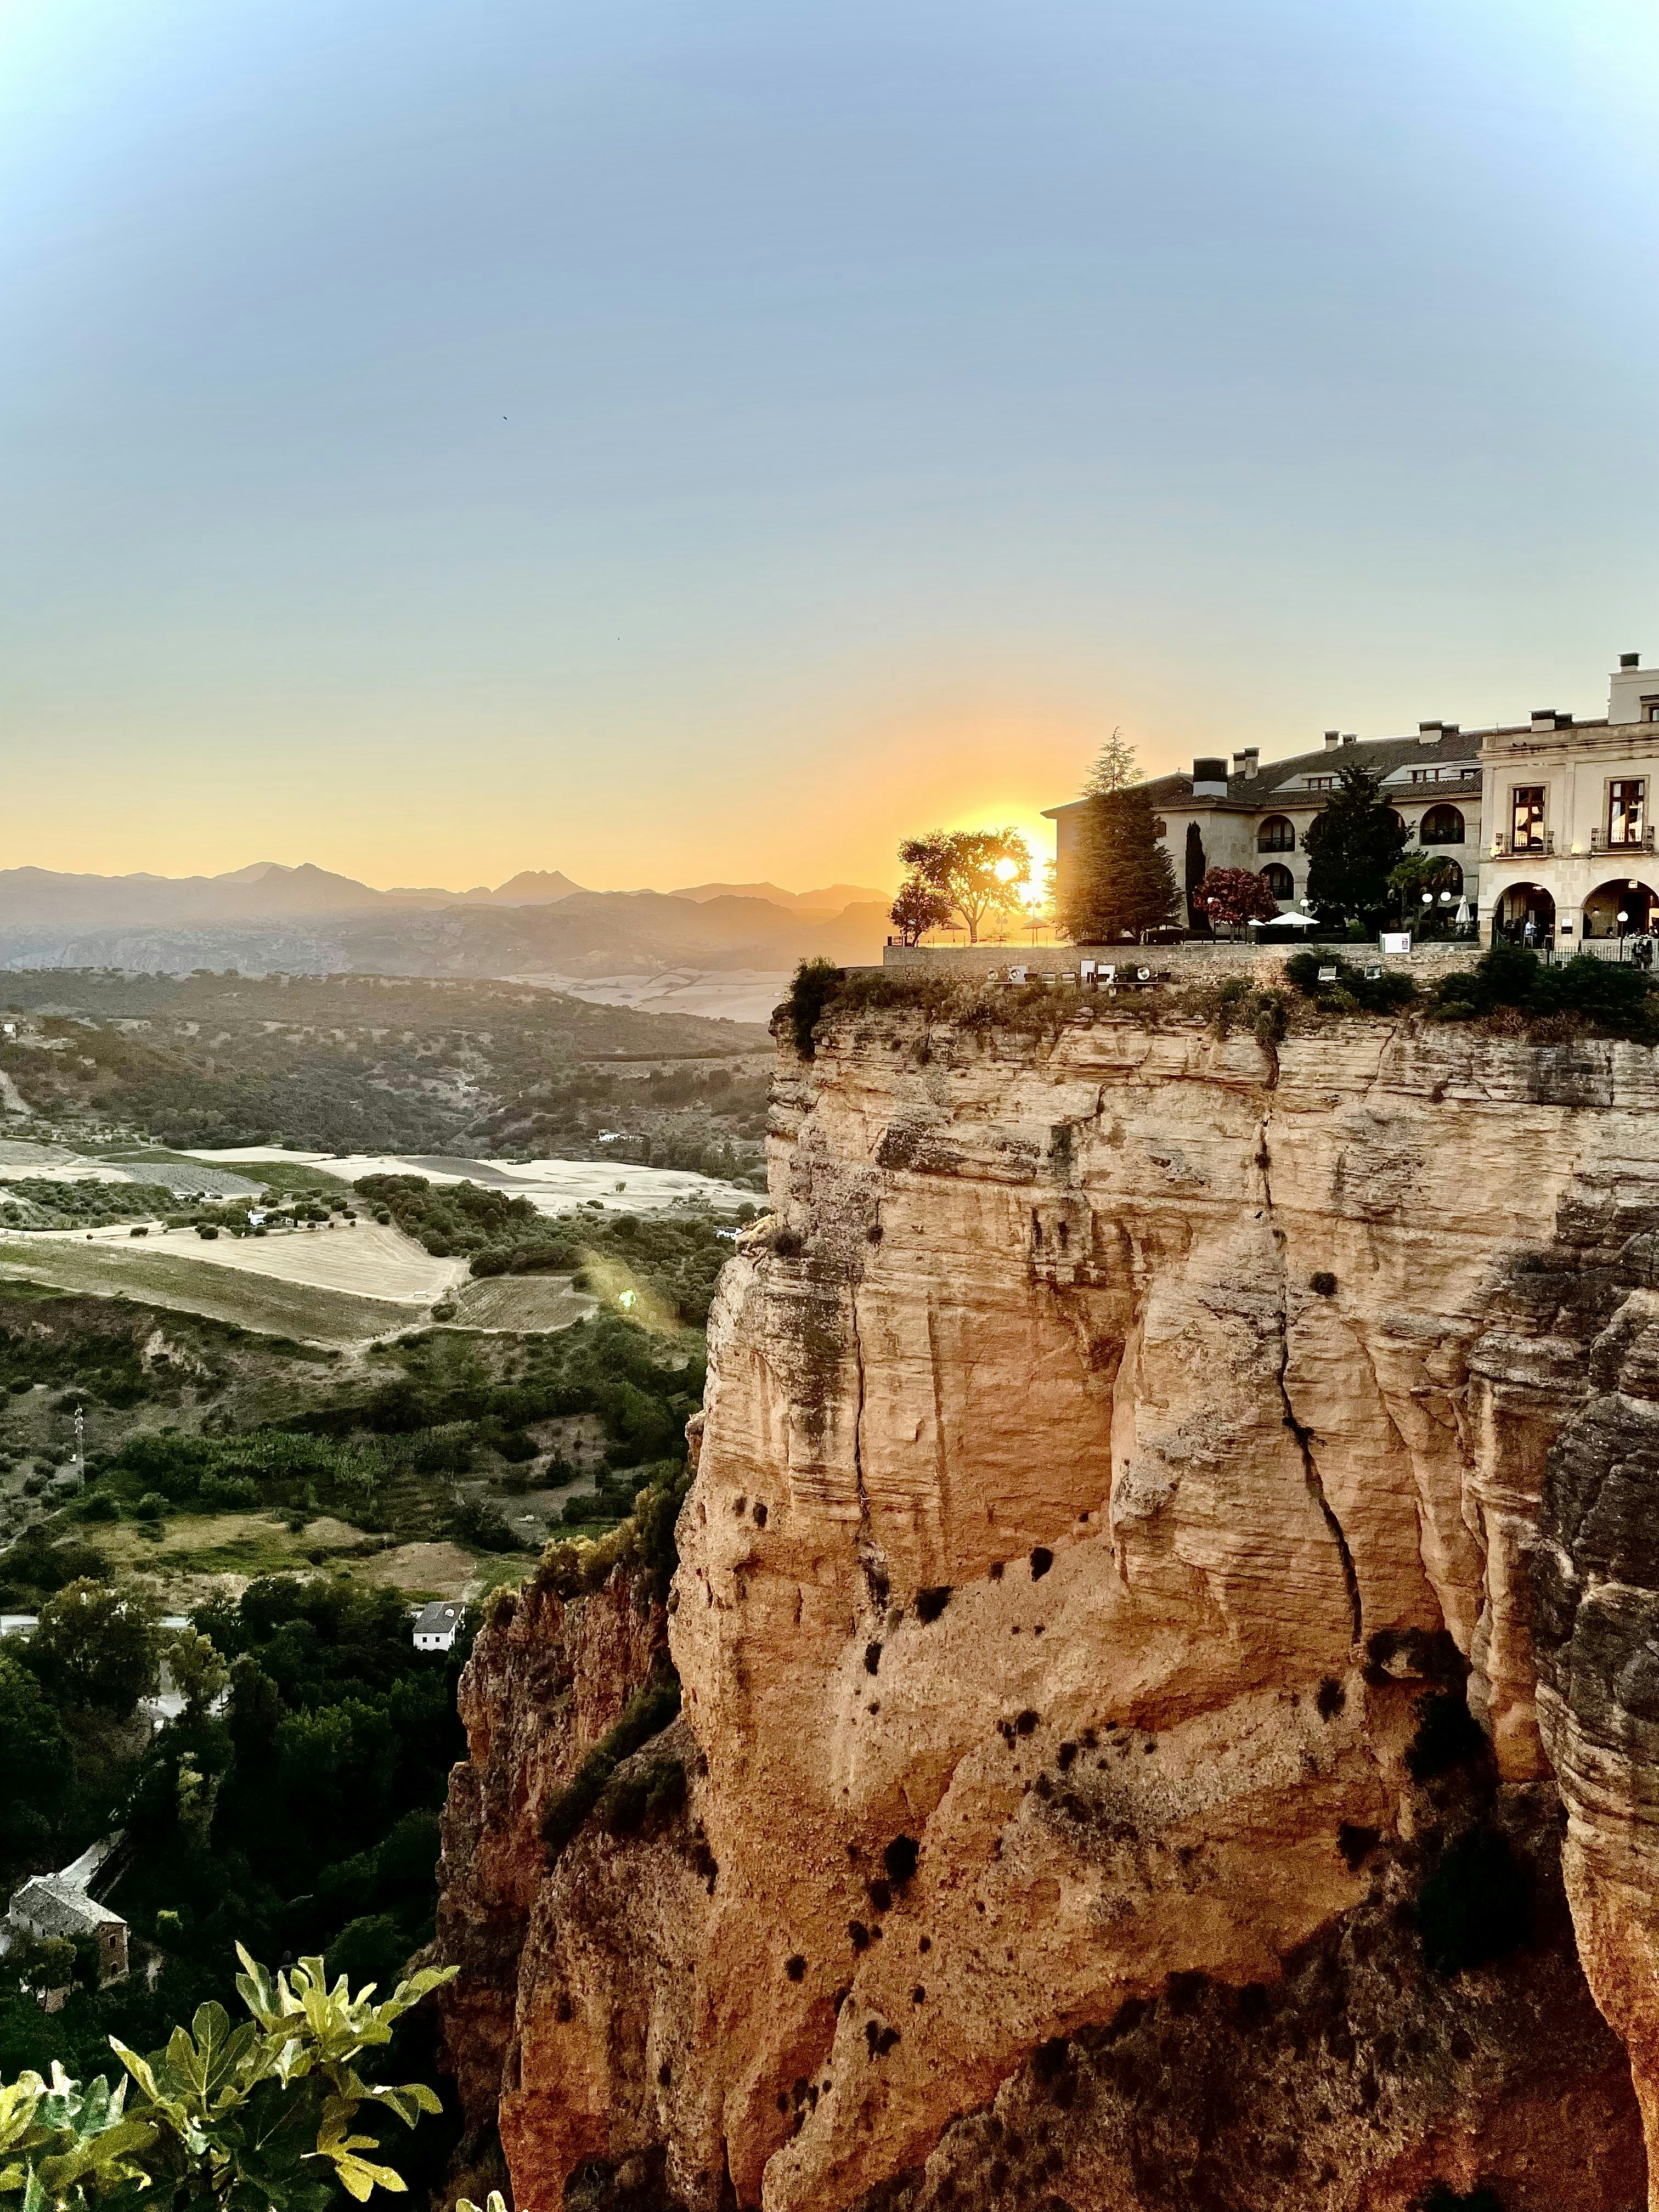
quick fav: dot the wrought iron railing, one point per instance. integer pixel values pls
(1536, 844)
(1639, 841)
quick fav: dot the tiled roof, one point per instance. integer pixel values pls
(433, 1620)
(51, 1905)
(1282, 780)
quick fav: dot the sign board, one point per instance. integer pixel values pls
(1395, 941)
(1327, 975)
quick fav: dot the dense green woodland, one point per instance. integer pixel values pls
(294, 1806)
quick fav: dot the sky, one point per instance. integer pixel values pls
(671, 443)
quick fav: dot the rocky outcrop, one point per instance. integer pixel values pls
(1108, 1440)
(550, 1675)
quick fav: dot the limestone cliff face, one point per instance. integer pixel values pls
(549, 1677)
(1105, 1440)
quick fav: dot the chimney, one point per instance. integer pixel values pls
(1546, 718)
(1348, 737)
(1428, 733)
(1246, 762)
(1332, 737)
(1629, 661)
(1209, 777)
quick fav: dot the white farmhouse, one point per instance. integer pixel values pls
(436, 1627)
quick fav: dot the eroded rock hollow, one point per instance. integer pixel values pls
(1124, 1449)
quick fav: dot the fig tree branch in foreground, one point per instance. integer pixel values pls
(257, 2118)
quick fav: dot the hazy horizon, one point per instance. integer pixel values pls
(714, 447)
(236, 869)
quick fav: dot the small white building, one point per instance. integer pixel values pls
(436, 1627)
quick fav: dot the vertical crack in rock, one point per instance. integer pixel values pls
(1316, 1484)
(1299, 1430)
(871, 1565)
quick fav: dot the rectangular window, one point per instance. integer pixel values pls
(1527, 818)
(1626, 810)
(1320, 783)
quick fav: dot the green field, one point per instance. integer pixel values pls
(284, 1176)
(226, 1294)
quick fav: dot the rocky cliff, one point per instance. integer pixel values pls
(1131, 1456)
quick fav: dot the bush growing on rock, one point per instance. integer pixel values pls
(1378, 995)
(1606, 997)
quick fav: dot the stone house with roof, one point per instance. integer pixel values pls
(48, 1905)
(1254, 815)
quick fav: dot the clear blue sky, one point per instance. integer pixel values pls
(665, 442)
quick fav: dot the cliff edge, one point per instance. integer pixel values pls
(1167, 1559)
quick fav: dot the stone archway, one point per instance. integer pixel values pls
(1626, 895)
(1525, 914)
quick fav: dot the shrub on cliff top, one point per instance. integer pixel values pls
(1606, 996)
(815, 984)
(1379, 994)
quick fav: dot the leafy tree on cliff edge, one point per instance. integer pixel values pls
(918, 908)
(979, 872)
(1122, 880)
(1352, 847)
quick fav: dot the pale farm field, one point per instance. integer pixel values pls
(371, 1258)
(161, 1271)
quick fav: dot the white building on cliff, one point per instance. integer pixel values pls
(1543, 822)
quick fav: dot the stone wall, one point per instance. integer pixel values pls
(1198, 960)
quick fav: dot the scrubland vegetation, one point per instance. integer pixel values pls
(356, 1064)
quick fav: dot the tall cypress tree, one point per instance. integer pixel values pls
(1194, 872)
(1123, 881)
(1352, 847)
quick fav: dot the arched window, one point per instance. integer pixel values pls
(1441, 825)
(1276, 834)
(1279, 882)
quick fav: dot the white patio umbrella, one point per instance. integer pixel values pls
(1285, 921)
(1462, 914)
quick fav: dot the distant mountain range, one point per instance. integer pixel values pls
(306, 921)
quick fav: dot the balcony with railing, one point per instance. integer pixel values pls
(1633, 840)
(1529, 845)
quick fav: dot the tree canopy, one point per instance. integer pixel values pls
(1122, 880)
(34, 1759)
(1114, 769)
(919, 908)
(1353, 845)
(1236, 896)
(980, 872)
(96, 1647)
(1196, 866)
